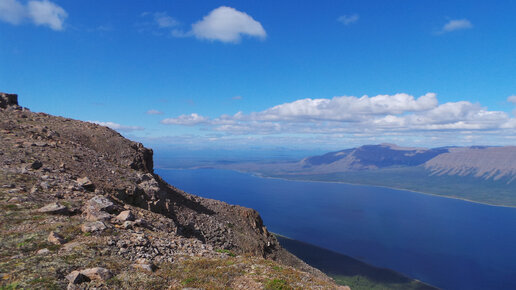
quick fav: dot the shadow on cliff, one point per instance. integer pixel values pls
(335, 264)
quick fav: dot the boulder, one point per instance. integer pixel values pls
(70, 246)
(94, 215)
(98, 208)
(149, 267)
(36, 165)
(86, 183)
(55, 238)
(126, 215)
(77, 277)
(101, 203)
(97, 273)
(91, 227)
(127, 225)
(54, 208)
(43, 251)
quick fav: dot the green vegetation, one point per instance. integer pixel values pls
(224, 251)
(189, 281)
(418, 179)
(10, 286)
(277, 284)
(364, 283)
(44, 283)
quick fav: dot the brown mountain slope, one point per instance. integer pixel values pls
(484, 162)
(76, 196)
(489, 163)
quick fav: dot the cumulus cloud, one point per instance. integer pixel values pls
(348, 19)
(347, 108)
(187, 120)
(227, 24)
(44, 13)
(456, 24)
(512, 99)
(400, 115)
(461, 115)
(118, 127)
(154, 112)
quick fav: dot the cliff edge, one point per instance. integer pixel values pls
(82, 207)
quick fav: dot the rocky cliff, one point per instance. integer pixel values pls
(81, 206)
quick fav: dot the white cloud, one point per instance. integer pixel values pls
(187, 120)
(391, 118)
(348, 19)
(164, 21)
(12, 11)
(118, 127)
(44, 12)
(236, 98)
(223, 24)
(511, 99)
(461, 115)
(154, 112)
(47, 13)
(347, 108)
(227, 24)
(457, 24)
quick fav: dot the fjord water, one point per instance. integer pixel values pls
(448, 243)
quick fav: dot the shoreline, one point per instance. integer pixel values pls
(260, 175)
(384, 186)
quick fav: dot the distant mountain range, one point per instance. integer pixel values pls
(479, 161)
(478, 173)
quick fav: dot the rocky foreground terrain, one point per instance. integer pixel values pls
(82, 209)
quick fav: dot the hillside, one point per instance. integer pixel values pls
(483, 162)
(82, 208)
(477, 173)
(477, 161)
(369, 157)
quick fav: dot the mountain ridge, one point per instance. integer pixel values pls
(487, 162)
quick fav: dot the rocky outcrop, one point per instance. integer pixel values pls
(97, 193)
(8, 101)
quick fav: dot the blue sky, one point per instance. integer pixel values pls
(304, 74)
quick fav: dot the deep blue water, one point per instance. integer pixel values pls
(449, 243)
